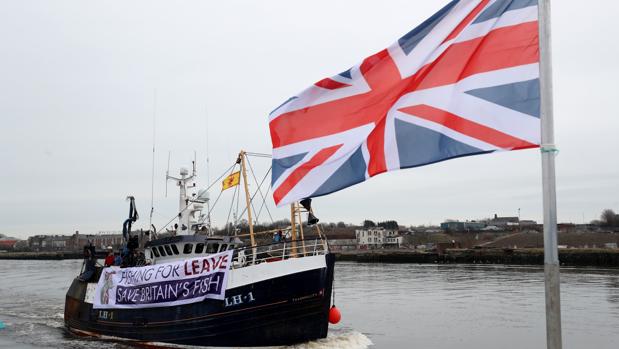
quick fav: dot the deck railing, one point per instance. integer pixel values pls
(248, 255)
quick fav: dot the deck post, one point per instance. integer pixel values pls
(298, 210)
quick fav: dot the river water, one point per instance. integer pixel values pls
(382, 305)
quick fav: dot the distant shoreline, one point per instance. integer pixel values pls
(533, 256)
(45, 255)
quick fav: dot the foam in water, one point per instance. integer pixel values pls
(346, 340)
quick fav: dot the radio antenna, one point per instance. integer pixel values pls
(195, 159)
(152, 178)
(208, 169)
(167, 174)
(194, 167)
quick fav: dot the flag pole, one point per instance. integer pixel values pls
(548, 151)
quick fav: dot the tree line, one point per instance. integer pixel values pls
(608, 218)
(392, 225)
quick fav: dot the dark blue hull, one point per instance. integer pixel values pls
(280, 311)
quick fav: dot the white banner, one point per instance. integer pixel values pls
(163, 285)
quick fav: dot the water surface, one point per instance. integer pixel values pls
(389, 305)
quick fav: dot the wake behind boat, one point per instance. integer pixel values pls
(216, 290)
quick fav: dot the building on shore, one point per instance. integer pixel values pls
(340, 239)
(393, 241)
(454, 225)
(527, 223)
(492, 224)
(7, 243)
(342, 244)
(378, 237)
(504, 222)
(49, 243)
(100, 241)
(75, 242)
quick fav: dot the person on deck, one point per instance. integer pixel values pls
(109, 259)
(129, 253)
(90, 263)
(118, 260)
(133, 243)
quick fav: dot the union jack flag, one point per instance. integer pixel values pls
(464, 82)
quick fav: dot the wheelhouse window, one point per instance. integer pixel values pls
(212, 248)
(174, 249)
(223, 247)
(155, 252)
(168, 250)
(188, 248)
(162, 251)
(199, 248)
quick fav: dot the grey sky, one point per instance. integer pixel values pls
(76, 105)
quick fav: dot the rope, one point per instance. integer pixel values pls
(231, 170)
(236, 218)
(251, 200)
(236, 188)
(260, 190)
(265, 205)
(267, 208)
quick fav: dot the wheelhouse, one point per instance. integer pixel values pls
(187, 246)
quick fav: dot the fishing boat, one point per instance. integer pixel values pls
(277, 292)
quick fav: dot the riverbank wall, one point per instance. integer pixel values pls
(46, 255)
(533, 256)
(567, 257)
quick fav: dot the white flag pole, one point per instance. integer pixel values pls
(548, 149)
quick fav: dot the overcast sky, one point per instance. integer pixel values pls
(77, 85)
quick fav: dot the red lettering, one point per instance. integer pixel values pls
(215, 263)
(224, 262)
(194, 266)
(187, 272)
(205, 266)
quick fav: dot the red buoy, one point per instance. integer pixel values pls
(334, 315)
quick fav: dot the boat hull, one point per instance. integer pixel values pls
(283, 310)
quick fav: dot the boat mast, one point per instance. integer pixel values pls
(183, 200)
(242, 155)
(293, 228)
